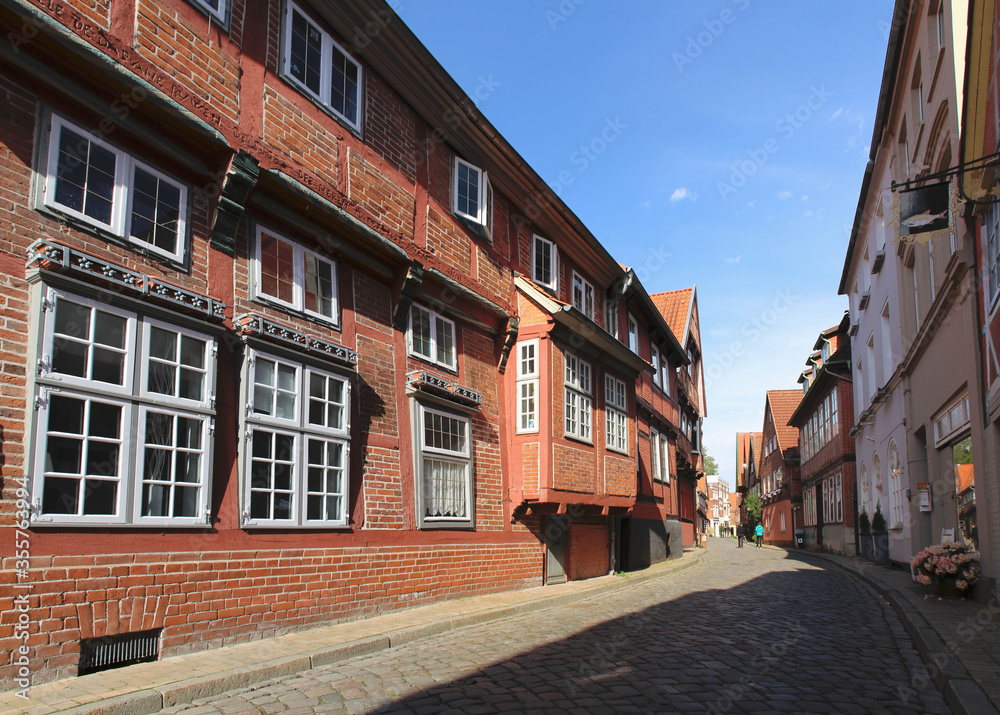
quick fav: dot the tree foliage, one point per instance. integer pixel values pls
(753, 508)
(711, 468)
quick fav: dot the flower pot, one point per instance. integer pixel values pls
(881, 547)
(945, 587)
(868, 547)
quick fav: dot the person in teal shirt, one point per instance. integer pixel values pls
(760, 534)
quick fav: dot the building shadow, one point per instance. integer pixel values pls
(812, 639)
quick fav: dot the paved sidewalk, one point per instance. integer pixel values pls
(150, 687)
(958, 639)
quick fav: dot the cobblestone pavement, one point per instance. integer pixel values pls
(752, 630)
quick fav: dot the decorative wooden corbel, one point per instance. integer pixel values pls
(508, 342)
(411, 284)
(239, 182)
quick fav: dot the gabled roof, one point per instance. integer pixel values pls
(783, 404)
(675, 306)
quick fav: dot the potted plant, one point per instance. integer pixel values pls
(880, 536)
(867, 541)
(952, 568)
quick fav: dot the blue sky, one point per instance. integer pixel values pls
(719, 143)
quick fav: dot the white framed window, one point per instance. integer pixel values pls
(633, 334)
(615, 414)
(583, 295)
(432, 337)
(124, 417)
(612, 323)
(215, 8)
(895, 488)
(654, 358)
(579, 403)
(782, 521)
(320, 67)
(92, 181)
(527, 386)
(992, 267)
(291, 275)
(544, 262)
(297, 449)
(472, 195)
(444, 456)
(655, 455)
(951, 420)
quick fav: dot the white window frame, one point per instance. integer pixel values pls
(616, 414)
(527, 386)
(992, 249)
(633, 334)
(121, 202)
(435, 357)
(945, 424)
(654, 359)
(484, 196)
(463, 457)
(135, 401)
(301, 430)
(553, 252)
(328, 45)
(612, 323)
(895, 487)
(585, 303)
(219, 14)
(578, 397)
(299, 253)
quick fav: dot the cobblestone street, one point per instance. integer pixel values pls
(756, 630)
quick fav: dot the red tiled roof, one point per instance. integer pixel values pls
(674, 306)
(964, 476)
(783, 404)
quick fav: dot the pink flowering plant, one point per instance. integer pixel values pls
(958, 561)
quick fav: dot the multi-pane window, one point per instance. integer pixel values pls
(633, 335)
(90, 180)
(320, 67)
(895, 488)
(297, 434)
(215, 8)
(124, 417)
(472, 194)
(583, 295)
(445, 458)
(821, 427)
(295, 277)
(544, 262)
(432, 336)
(527, 386)
(992, 229)
(616, 414)
(953, 419)
(659, 452)
(833, 500)
(612, 323)
(579, 403)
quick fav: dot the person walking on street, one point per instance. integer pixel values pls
(739, 536)
(760, 534)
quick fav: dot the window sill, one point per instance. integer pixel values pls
(53, 212)
(578, 439)
(297, 313)
(458, 526)
(427, 361)
(303, 91)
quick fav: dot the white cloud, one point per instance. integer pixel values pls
(805, 197)
(751, 204)
(784, 195)
(645, 205)
(731, 259)
(682, 193)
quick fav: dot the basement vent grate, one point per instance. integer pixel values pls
(107, 652)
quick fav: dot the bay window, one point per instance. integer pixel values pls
(579, 403)
(616, 414)
(527, 386)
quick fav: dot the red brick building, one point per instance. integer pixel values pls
(292, 334)
(824, 420)
(778, 469)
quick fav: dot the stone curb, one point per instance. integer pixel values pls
(963, 694)
(155, 698)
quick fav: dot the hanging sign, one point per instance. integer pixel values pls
(924, 209)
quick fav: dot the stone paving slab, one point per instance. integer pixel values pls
(150, 687)
(958, 639)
